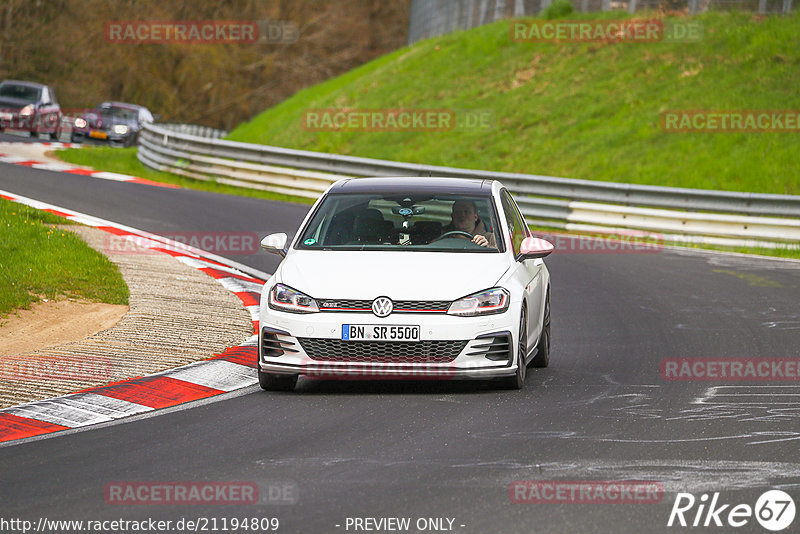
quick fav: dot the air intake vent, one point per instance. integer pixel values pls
(274, 344)
(496, 347)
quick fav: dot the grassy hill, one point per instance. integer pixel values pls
(585, 110)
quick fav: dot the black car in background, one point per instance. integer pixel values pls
(30, 107)
(117, 123)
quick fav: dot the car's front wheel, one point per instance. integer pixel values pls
(542, 358)
(273, 382)
(518, 379)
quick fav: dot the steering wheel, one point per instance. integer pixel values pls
(453, 233)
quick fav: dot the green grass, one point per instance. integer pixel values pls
(124, 161)
(586, 110)
(39, 260)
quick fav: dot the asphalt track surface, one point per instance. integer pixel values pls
(438, 449)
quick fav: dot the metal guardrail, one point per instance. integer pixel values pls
(195, 129)
(553, 201)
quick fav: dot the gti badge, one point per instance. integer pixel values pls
(382, 306)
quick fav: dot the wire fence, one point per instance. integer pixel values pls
(430, 18)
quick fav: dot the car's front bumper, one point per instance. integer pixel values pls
(111, 137)
(299, 334)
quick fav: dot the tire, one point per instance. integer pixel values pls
(517, 381)
(55, 135)
(542, 358)
(34, 133)
(272, 382)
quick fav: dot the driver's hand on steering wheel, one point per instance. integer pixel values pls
(478, 239)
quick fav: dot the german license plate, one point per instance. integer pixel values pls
(380, 332)
(98, 135)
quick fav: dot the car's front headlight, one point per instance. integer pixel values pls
(284, 298)
(486, 302)
(26, 111)
(120, 129)
(80, 123)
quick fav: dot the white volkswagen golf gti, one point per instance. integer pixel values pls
(407, 278)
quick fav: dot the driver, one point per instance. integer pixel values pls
(465, 219)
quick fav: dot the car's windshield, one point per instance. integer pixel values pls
(403, 221)
(119, 113)
(21, 92)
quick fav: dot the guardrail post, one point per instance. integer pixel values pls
(762, 6)
(632, 7)
(787, 7)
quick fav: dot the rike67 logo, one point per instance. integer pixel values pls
(774, 510)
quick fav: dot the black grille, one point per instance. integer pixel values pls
(382, 351)
(400, 306)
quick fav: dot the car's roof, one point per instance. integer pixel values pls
(29, 84)
(414, 184)
(120, 105)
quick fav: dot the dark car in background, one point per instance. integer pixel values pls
(117, 123)
(30, 107)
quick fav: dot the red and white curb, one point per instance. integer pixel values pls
(72, 169)
(233, 369)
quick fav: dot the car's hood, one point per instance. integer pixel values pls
(10, 103)
(397, 275)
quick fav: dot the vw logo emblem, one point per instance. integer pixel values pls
(382, 306)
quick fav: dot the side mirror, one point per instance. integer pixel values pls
(535, 247)
(275, 243)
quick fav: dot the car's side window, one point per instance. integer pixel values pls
(515, 225)
(52, 96)
(45, 96)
